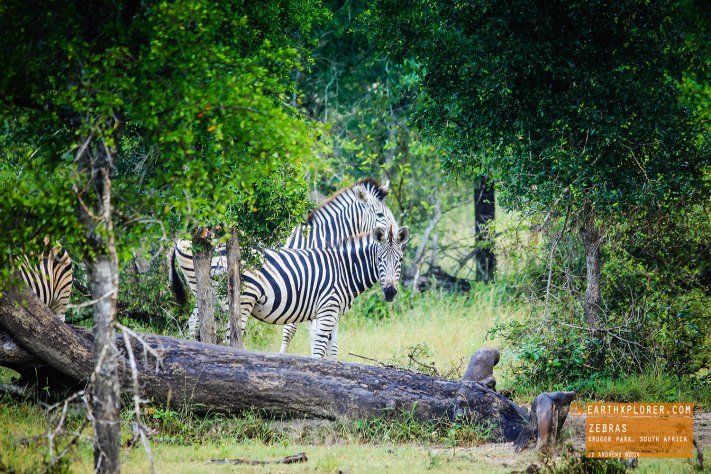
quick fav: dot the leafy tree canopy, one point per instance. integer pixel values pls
(189, 97)
(562, 101)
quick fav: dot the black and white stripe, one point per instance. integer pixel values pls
(320, 284)
(50, 278)
(349, 212)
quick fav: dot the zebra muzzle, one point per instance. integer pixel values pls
(389, 293)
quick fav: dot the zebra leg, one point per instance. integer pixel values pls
(193, 324)
(286, 337)
(246, 305)
(333, 343)
(324, 324)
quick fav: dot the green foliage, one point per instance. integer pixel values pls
(187, 427)
(556, 111)
(655, 311)
(267, 214)
(366, 103)
(372, 306)
(404, 428)
(188, 98)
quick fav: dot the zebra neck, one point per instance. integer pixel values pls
(332, 224)
(361, 265)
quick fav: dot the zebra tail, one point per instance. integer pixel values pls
(176, 283)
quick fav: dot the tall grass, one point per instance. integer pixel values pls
(447, 328)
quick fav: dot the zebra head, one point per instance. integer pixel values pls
(370, 196)
(389, 244)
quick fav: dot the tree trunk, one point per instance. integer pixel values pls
(202, 260)
(234, 284)
(414, 271)
(94, 161)
(484, 213)
(593, 297)
(103, 279)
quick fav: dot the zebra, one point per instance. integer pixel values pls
(50, 278)
(320, 284)
(349, 212)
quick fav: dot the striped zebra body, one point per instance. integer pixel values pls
(349, 212)
(320, 284)
(50, 278)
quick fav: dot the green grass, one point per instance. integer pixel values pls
(184, 442)
(652, 386)
(451, 327)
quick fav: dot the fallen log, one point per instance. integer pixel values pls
(293, 459)
(218, 378)
(436, 278)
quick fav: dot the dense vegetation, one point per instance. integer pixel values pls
(126, 125)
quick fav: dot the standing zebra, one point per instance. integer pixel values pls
(320, 284)
(349, 212)
(50, 278)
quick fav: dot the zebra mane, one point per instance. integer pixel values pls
(350, 240)
(371, 184)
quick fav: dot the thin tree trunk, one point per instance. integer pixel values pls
(202, 260)
(95, 161)
(234, 283)
(593, 296)
(103, 279)
(484, 213)
(420, 252)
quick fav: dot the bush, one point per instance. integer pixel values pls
(655, 315)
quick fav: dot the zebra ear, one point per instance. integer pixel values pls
(385, 187)
(361, 193)
(403, 235)
(380, 234)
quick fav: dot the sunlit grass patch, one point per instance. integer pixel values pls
(451, 326)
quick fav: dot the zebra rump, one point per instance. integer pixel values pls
(50, 278)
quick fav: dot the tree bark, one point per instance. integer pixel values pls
(414, 271)
(593, 296)
(234, 284)
(202, 259)
(95, 161)
(484, 213)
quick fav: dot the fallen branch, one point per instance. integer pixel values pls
(293, 459)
